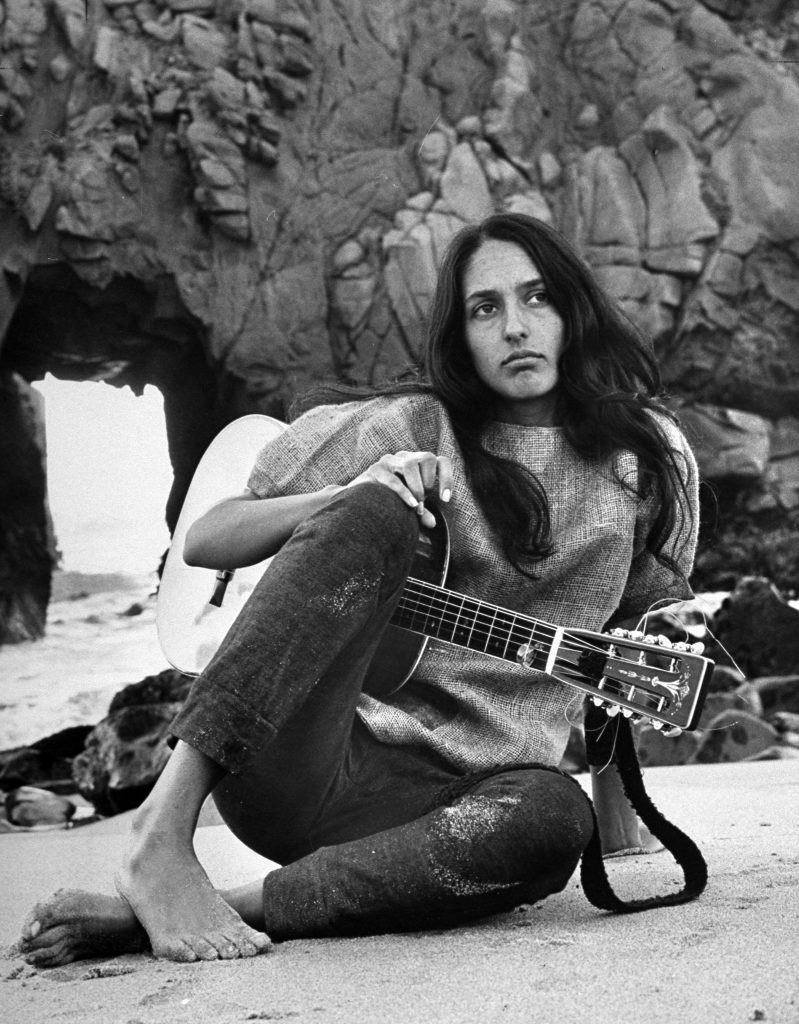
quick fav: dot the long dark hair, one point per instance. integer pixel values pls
(608, 386)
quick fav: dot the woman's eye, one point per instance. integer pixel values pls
(483, 310)
(538, 298)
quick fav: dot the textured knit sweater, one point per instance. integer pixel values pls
(474, 710)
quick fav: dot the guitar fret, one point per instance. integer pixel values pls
(474, 614)
(499, 633)
(458, 616)
(490, 631)
(579, 661)
(468, 622)
(643, 678)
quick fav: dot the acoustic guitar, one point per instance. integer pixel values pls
(625, 672)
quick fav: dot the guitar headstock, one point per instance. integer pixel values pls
(641, 676)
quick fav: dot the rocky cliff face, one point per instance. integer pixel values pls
(233, 198)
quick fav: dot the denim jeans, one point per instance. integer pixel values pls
(372, 837)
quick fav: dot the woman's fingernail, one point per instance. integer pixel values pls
(420, 509)
(446, 495)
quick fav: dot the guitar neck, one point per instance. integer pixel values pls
(639, 675)
(443, 614)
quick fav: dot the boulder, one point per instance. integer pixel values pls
(776, 754)
(29, 807)
(167, 687)
(728, 443)
(46, 763)
(759, 629)
(778, 694)
(744, 698)
(655, 749)
(124, 755)
(725, 678)
(787, 725)
(734, 736)
(126, 752)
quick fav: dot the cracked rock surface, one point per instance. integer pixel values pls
(232, 199)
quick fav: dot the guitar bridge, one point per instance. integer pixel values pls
(221, 580)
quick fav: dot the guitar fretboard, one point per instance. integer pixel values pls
(455, 618)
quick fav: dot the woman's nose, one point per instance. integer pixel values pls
(515, 325)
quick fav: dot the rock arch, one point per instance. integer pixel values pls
(234, 198)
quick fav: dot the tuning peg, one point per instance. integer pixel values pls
(657, 724)
(597, 702)
(627, 712)
(636, 634)
(673, 730)
(618, 631)
(650, 638)
(663, 640)
(697, 648)
(681, 645)
(612, 710)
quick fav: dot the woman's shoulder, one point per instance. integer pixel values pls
(669, 428)
(410, 420)
(411, 408)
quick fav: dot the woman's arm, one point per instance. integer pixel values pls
(245, 529)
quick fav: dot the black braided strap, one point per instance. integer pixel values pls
(593, 876)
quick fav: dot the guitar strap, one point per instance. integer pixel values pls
(611, 741)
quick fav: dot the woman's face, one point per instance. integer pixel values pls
(513, 332)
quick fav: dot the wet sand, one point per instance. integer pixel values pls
(729, 957)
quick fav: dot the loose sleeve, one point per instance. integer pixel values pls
(651, 584)
(334, 444)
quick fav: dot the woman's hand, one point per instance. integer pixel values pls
(412, 476)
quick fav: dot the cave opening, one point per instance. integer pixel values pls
(131, 338)
(108, 475)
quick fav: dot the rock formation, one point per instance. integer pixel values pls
(750, 712)
(233, 198)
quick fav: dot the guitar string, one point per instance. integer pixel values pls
(434, 606)
(488, 621)
(492, 632)
(433, 601)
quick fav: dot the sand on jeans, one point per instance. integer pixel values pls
(728, 958)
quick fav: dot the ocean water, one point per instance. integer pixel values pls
(109, 476)
(101, 635)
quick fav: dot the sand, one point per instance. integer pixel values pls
(729, 957)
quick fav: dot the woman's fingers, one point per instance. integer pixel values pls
(413, 476)
(390, 477)
(444, 477)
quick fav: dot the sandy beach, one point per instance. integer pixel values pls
(728, 958)
(100, 636)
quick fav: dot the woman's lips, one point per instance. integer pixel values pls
(522, 358)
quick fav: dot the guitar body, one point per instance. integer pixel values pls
(191, 627)
(400, 650)
(637, 675)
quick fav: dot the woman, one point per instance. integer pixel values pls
(570, 495)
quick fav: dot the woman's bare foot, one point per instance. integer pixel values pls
(642, 844)
(185, 918)
(73, 925)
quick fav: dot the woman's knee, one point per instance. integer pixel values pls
(371, 518)
(541, 819)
